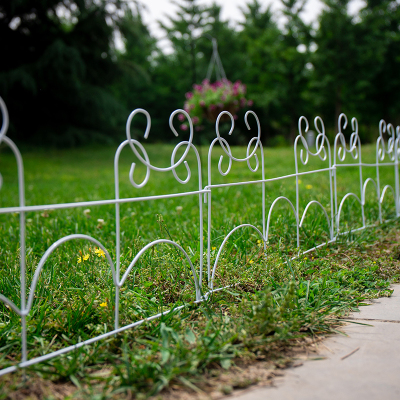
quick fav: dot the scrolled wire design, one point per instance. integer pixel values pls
(341, 148)
(5, 139)
(5, 119)
(133, 143)
(397, 142)
(225, 145)
(340, 151)
(320, 141)
(4, 127)
(323, 152)
(27, 303)
(388, 148)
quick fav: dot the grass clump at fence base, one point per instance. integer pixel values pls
(186, 350)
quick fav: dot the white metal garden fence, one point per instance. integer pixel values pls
(387, 155)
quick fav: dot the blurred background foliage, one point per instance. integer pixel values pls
(66, 83)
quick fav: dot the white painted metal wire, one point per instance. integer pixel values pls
(387, 155)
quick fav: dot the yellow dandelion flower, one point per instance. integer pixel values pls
(85, 257)
(79, 260)
(103, 304)
(259, 241)
(213, 248)
(308, 186)
(100, 253)
(251, 261)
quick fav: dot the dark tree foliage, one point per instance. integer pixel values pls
(190, 32)
(175, 73)
(380, 26)
(356, 61)
(57, 61)
(276, 60)
(294, 58)
(65, 82)
(134, 86)
(261, 44)
(183, 30)
(336, 60)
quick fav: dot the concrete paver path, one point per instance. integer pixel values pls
(365, 365)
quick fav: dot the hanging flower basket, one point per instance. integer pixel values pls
(211, 113)
(208, 100)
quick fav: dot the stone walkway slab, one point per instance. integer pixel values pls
(364, 365)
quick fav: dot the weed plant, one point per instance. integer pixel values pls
(270, 300)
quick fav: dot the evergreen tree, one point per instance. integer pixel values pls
(65, 82)
(294, 59)
(183, 32)
(276, 70)
(336, 61)
(261, 42)
(379, 27)
(58, 59)
(134, 86)
(229, 48)
(190, 33)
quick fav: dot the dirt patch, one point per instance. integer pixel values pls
(38, 389)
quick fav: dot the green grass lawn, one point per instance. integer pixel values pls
(75, 295)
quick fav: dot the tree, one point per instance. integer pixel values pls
(58, 60)
(183, 32)
(337, 60)
(276, 70)
(190, 32)
(295, 57)
(261, 41)
(229, 48)
(379, 27)
(134, 86)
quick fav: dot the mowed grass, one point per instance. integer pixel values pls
(74, 299)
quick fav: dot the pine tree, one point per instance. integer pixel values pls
(58, 59)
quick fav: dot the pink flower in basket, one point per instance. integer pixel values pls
(209, 100)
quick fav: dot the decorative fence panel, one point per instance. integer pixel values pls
(332, 162)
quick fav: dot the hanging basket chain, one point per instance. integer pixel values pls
(208, 100)
(215, 62)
